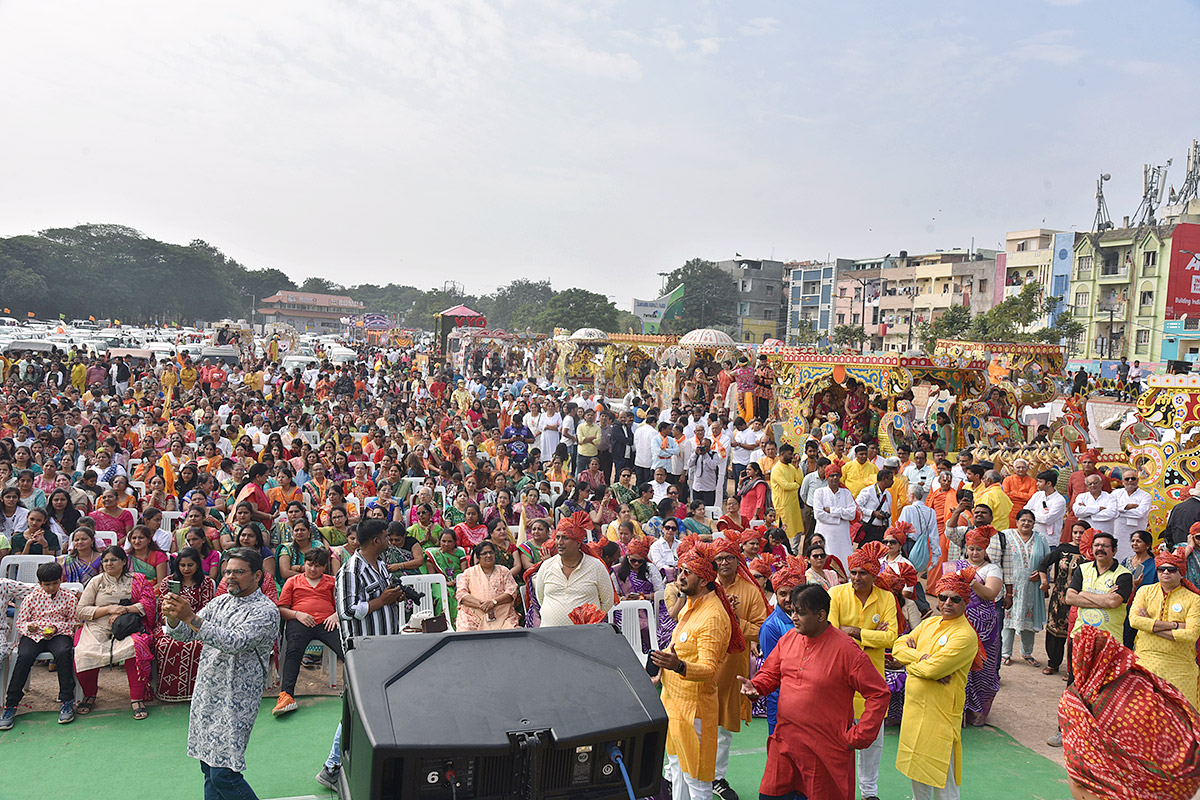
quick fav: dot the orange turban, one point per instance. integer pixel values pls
(727, 545)
(586, 614)
(896, 576)
(1085, 544)
(1195, 529)
(763, 565)
(686, 544)
(959, 583)
(699, 562)
(638, 548)
(1177, 561)
(575, 526)
(789, 575)
(749, 535)
(833, 469)
(980, 537)
(867, 557)
(900, 531)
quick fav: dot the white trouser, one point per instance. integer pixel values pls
(1007, 635)
(684, 786)
(867, 762)
(724, 739)
(923, 791)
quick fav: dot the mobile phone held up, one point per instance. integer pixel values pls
(174, 587)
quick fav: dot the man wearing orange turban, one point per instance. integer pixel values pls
(571, 577)
(938, 656)
(867, 614)
(750, 605)
(1166, 616)
(706, 634)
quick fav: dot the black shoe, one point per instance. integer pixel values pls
(723, 790)
(329, 777)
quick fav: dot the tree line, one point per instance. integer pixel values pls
(117, 272)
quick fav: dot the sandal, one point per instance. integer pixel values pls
(139, 710)
(1050, 671)
(1031, 661)
(1006, 662)
(86, 705)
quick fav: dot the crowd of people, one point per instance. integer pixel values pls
(543, 505)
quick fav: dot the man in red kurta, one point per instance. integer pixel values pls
(817, 670)
(1076, 486)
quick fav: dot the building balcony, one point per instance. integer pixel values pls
(1012, 291)
(1118, 309)
(1114, 274)
(1027, 259)
(891, 302)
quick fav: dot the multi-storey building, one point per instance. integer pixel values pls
(811, 297)
(1136, 288)
(308, 311)
(921, 288)
(857, 300)
(762, 298)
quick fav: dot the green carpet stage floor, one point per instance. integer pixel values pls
(39, 757)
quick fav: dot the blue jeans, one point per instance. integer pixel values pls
(222, 783)
(335, 753)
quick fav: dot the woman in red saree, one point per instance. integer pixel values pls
(177, 661)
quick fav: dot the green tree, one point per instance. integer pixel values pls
(577, 308)
(24, 289)
(516, 305)
(954, 323)
(709, 297)
(848, 335)
(805, 332)
(1063, 329)
(321, 286)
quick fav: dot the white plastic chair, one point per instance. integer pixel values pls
(133, 512)
(169, 520)
(425, 584)
(714, 512)
(631, 624)
(311, 437)
(23, 568)
(414, 485)
(556, 488)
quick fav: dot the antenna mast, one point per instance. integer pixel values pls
(1102, 222)
(1191, 182)
(1153, 186)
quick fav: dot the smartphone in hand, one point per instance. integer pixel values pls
(174, 587)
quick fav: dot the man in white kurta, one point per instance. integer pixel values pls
(1132, 505)
(834, 507)
(238, 630)
(1096, 507)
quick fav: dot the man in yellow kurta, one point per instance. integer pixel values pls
(750, 605)
(994, 497)
(1166, 616)
(253, 380)
(78, 374)
(938, 656)
(859, 473)
(899, 489)
(188, 376)
(707, 632)
(785, 492)
(169, 378)
(867, 614)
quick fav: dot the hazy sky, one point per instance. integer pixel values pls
(594, 144)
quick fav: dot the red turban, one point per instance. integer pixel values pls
(638, 548)
(763, 565)
(749, 535)
(900, 531)
(833, 469)
(1195, 529)
(686, 544)
(1177, 561)
(867, 557)
(980, 537)
(586, 614)
(699, 562)
(895, 577)
(727, 545)
(1092, 455)
(790, 575)
(1127, 733)
(447, 437)
(575, 526)
(959, 583)
(1085, 544)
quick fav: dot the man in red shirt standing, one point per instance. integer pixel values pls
(217, 375)
(306, 606)
(811, 751)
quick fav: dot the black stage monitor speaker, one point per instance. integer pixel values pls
(486, 715)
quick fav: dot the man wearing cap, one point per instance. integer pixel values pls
(785, 491)
(859, 473)
(750, 606)
(1077, 485)
(571, 577)
(867, 614)
(938, 655)
(809, 752)
(707, 633)
(783, 581)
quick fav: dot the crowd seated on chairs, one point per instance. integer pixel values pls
(131, 492)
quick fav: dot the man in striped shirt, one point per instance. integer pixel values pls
(367, 605)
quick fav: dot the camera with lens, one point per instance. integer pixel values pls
(412, 595)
